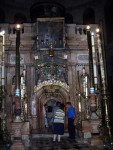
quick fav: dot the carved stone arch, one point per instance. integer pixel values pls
(62, 91)
(43, 98)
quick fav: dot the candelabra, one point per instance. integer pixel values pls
(106, 120)
(5, 134)
(2, 77)
(91, 73)
(79, 101)
(18, 110)
(17, 69)
(85, 92)
(17, 72)
(2, 67)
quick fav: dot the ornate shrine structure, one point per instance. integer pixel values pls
(48, 61)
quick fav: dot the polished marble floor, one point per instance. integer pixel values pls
(44, 142)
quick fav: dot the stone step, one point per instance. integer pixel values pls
(45, 135)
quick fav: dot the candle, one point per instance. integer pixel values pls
(22, 80)
(24, 71)
(94, 58)
(79, 106)
(86, 79)
(3, 82)
(100, 56)
(86, 86)
(95, 74)
(25, 107)
(86, 91)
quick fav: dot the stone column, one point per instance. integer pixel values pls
(70, 81)
(34, 113)
(73, 84)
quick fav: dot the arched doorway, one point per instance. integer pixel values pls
(44, 102)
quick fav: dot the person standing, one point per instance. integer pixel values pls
(71, 113)
(58, 123)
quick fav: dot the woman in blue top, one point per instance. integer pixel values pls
(71, 113)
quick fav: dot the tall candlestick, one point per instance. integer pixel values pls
(3, 64)
(85, 91)
(24, 71)
(1, 40)
(91, 73)
(18, 79)
(17, 69)
(105, 100)
(90, 57)
(3, 71)
(94, 59)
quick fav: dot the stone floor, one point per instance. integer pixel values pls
(44, 142)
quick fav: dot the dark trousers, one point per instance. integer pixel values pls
(71, 128)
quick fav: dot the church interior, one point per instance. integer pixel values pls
(55, 51)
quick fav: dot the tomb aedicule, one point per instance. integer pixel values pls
(56, 68)
(42, 69)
